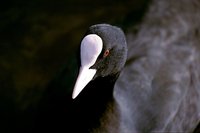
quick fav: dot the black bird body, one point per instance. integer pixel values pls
(158, 90)
(159, 87)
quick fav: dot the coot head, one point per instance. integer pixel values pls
(103, 53)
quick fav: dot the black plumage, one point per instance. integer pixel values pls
(92, 104)
(158, 90)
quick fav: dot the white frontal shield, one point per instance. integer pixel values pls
(91, 47)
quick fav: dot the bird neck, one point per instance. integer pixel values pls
(94, 102)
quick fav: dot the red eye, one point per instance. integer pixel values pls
(106, 53)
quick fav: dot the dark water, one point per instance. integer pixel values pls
(38, 45)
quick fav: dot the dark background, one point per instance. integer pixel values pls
(39, 41)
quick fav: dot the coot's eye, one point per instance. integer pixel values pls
(106, 53)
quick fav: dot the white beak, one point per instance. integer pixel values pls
(84, 77)
(91, 47)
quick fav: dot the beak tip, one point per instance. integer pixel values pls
(74, 96)
(84, 77)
